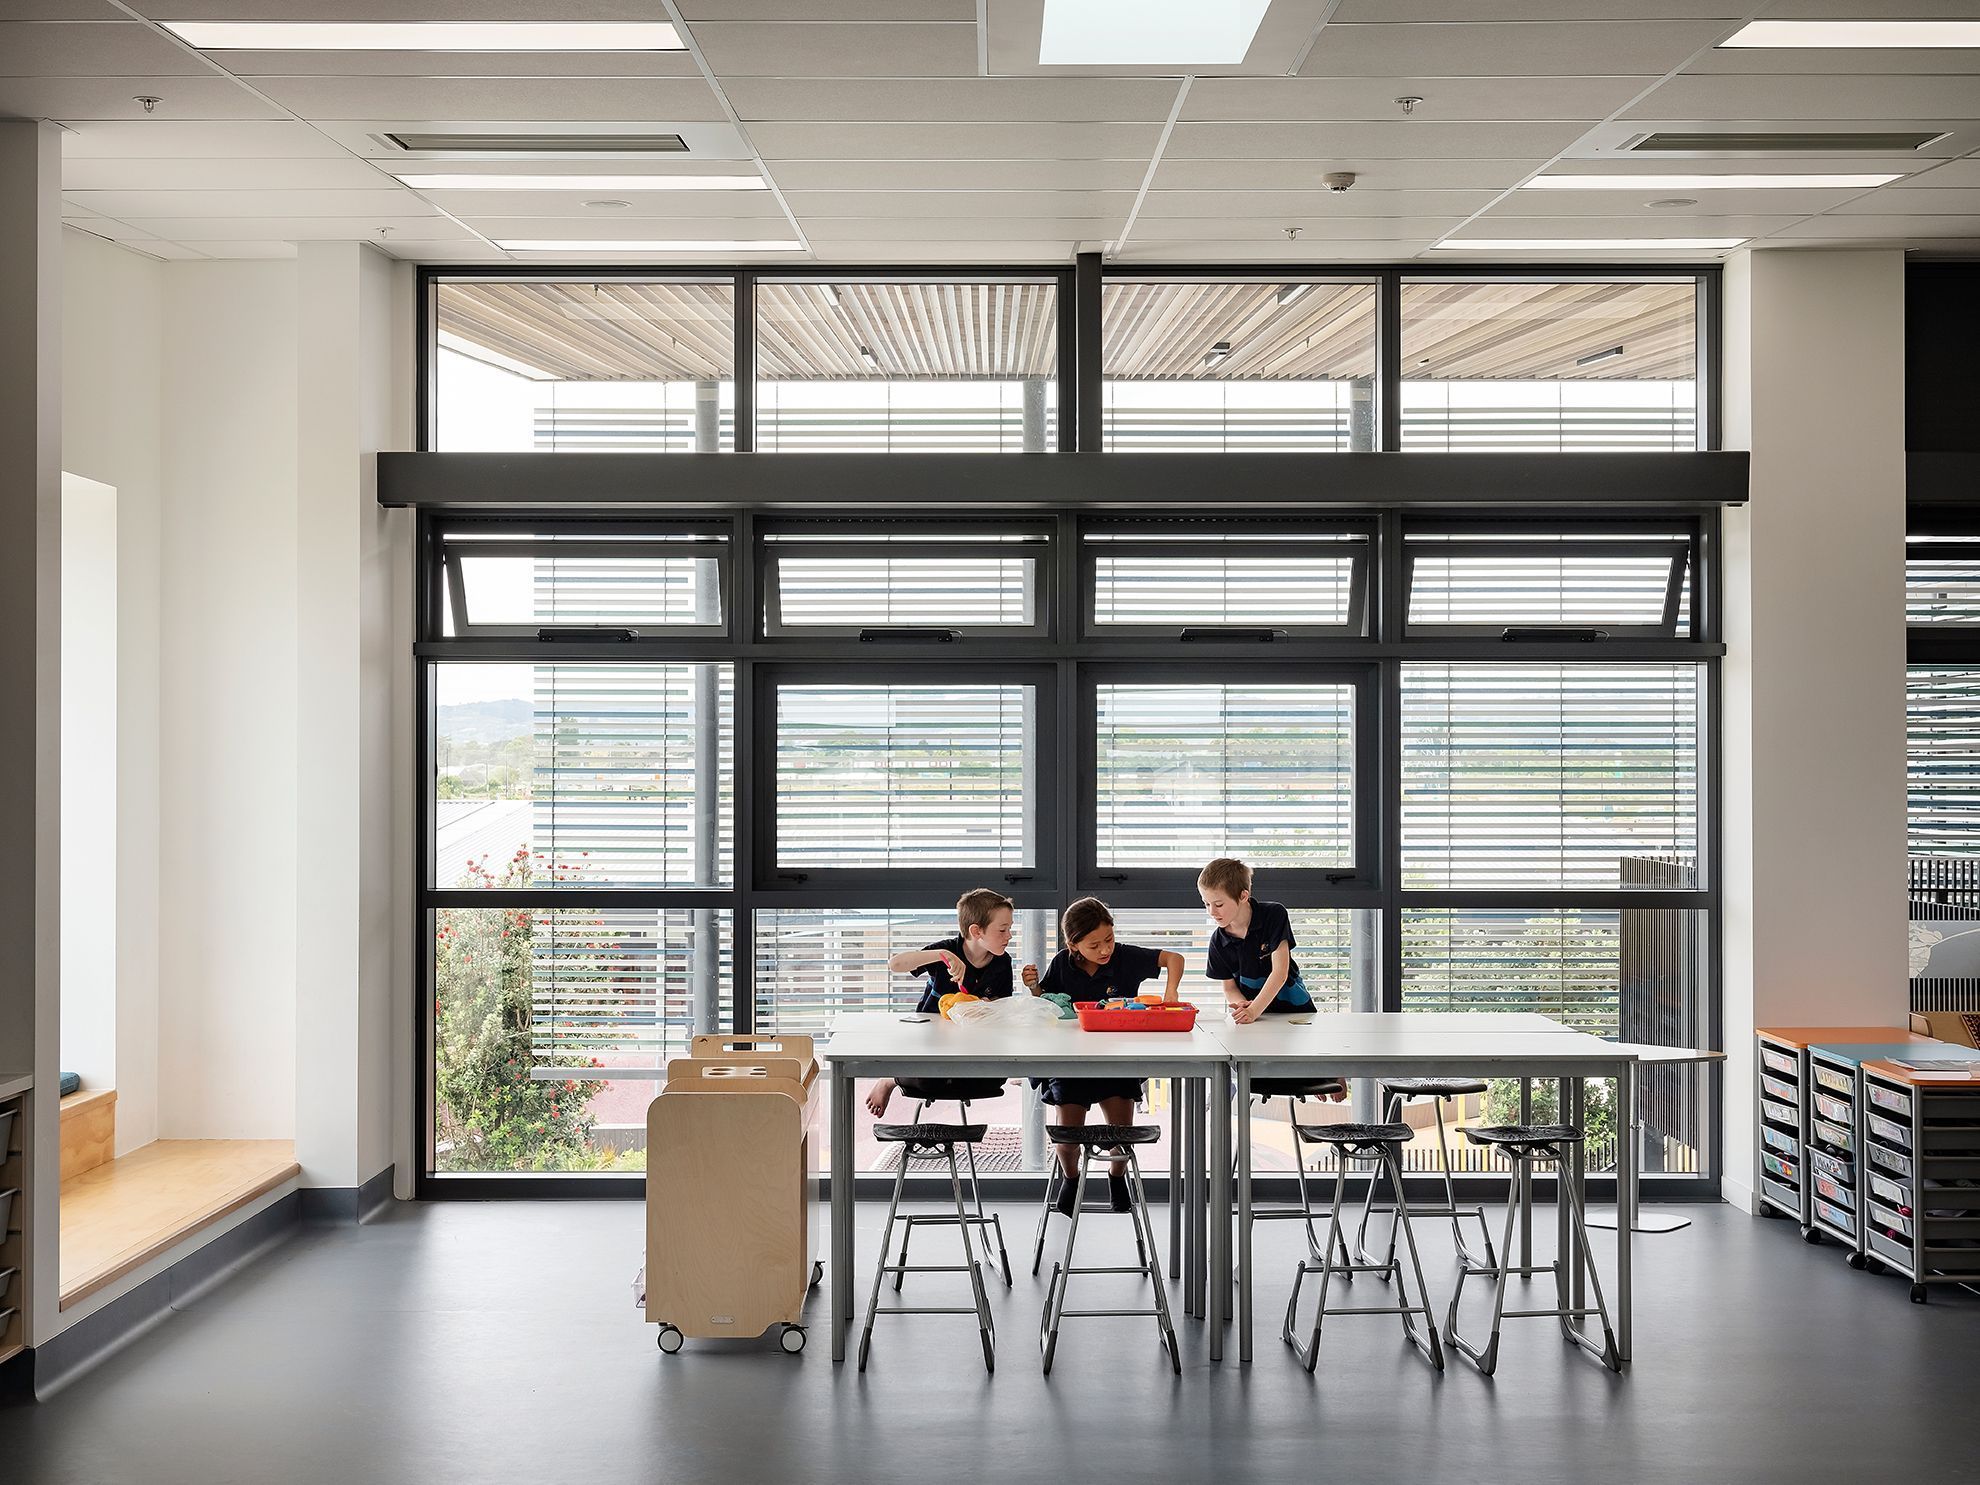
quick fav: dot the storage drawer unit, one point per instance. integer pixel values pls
(1832, 1134)
(15, 1143)
(1921, 1142)
(1783, 1126)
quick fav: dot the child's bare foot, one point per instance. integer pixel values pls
(878, 1099)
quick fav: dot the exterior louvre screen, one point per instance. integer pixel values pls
(1546, 776)
(528, 590)
(1943, 588)
(1515, 588)
(1188, 772)
(936, 589)
(1942, 722)
(1203, 587)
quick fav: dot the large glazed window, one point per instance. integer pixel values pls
(903, 366)
(875, 584)
(566, 365)
(1210, 366)
(1942, 580)
(1540, 367)
(1195, 582)
(508, 583)
(1499, 585)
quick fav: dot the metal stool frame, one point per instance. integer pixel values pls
(1450, 1208)
(1525, 1154)
(989, 1222)
(1144, 1237)
(986, 1325)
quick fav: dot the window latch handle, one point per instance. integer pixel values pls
(1017, 876)
(1341, 876)
(587, 634)
(793, 876)
(1257, 633)
(907, 634)
(1112, 876)
(1542, 634)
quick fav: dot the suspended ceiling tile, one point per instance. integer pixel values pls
(961, 229)
(1953, 174)
(1295, 206)
(343, 174)
(1015, 100)
(1915, 201)
(64, 10)
(810, 205)
(1511, 49)
(1230, 250)
(170, 251)
(829, 10)
(92, 99)
(177, 140)
(963, 175)
(1621, 204)
(398, 10)
(1361, 11)
(1510, 221)
(1409, 140)
(614, 226)
(1432, 174)
(301, 229)
(270, 248)
(837, 49)
(126, 49)
(1444, 100)
(915, 253)
(466, 251)
(132, 205)
(1869, 228)
(518, 99)
(645, 206)
(1311, 229)
(459, 64)
(1894, 98)
(956, 141)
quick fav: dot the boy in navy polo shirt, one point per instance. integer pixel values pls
(1251, 945)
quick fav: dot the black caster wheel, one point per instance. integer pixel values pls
(1855, 1260)
(1918, 1294)
(1811, 1237)
(671, 1340)
(1872, 1265)
(817, 1273)
(1767, 1213)
(791, 1338)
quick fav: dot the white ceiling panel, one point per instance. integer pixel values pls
(1407, 140)
(1537, 10)
(1946, 174)
(81, 173)
(300, 229)
(1238, 250)
(617, 225)
(829, 10)
(1798, 98)
(816, 205)
(518, 99)
(171, 251)
(1431, 174)
(837, 49)
(1311, 229)
(956, 141)
(175, 140)
(1511, 49)
(959, 175)
(1014, 100)
(962, 229)
(889, 251)
(129, 49)
(1874, 228)
(64, 10)
(231, 248)
(1446, 99)
(646, 206)
(132, 205)
(396, 10)
(85, 99)
(1510, 221)
(1297, 206)
(111, 230)
(459, 64)
(1618, 204)
(466, 251)
(1915, 202)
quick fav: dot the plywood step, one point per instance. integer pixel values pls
(89, 1130)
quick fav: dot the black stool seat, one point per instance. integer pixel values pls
(1296, 1087)
(1355, 1134)
(1095, 1136)
(930, 1134)
(1523, 1136)
(949, 1090)
(1433, 1087)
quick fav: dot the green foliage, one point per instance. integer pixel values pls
(491, 1115)
(1599, 1105)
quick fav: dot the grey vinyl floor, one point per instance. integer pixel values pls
(498, 1342)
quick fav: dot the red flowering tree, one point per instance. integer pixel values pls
(492, 1115)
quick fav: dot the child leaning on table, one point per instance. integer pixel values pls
(976, 959)
(1094, 966)
(1250, 946)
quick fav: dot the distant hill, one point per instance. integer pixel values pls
(487, 721)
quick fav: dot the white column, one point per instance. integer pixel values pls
(1813, 727)
(352, 934)
(31, 659)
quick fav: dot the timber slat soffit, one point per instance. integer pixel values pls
(924, 482)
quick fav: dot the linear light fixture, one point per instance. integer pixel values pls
(428, 36)
(1843, 35)
(584, 182)
(1590, 244)
(1613, 353)
(1147, 33)
(628, 245)
(1289, 293)
(1710, 182)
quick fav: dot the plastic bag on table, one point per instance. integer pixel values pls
(1016, 1010)
(950, 1001)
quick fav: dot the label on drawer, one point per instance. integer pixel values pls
(1833, 1134)
(1776, 1088)
(1782, 1114)
(1780, 1062)
(1891, 1160)
(1836, 1078)
(1834, 1190)
(1835, 1216)
(1840, 1110)
(1835, 1167)
(1787, 1144)
(1889, 1130)
(1779, 1168)
(1894, 1099)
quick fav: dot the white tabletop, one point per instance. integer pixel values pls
(882, 1041)
(1397, 1043)
(1474, 1022)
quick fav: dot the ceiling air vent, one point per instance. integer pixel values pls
(543, 144)
(1837, 142)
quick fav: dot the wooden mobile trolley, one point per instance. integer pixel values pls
(731, 1182)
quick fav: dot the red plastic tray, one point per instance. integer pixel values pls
(1153, 1018)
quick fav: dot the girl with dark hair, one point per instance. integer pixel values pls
(1092, 966)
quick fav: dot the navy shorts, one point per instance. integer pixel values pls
(1086, 1092)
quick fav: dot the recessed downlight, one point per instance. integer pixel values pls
(428, 36)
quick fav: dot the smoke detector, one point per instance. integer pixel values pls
(1338, 180)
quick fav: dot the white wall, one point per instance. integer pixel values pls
(227, 715)
(1814, 731)
(112, 339)
(89, 782)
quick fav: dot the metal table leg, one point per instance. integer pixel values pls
(1192, 1095)
(1525, 1187)
(1578, 1174)
(1626, 1201)
(842, 1210)
(1563, 1234)
(1217, 1313)
(1244, 1209)
(1175, 1178)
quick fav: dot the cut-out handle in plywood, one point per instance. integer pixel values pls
(737, 1075)
(711, 1043)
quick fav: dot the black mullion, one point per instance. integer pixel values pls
(1389, 783)
(745, 378)
(425, 1067)
(1388, 361)
(1087, 392)
(426, 407)
(1707, 396)
(1068, 378)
